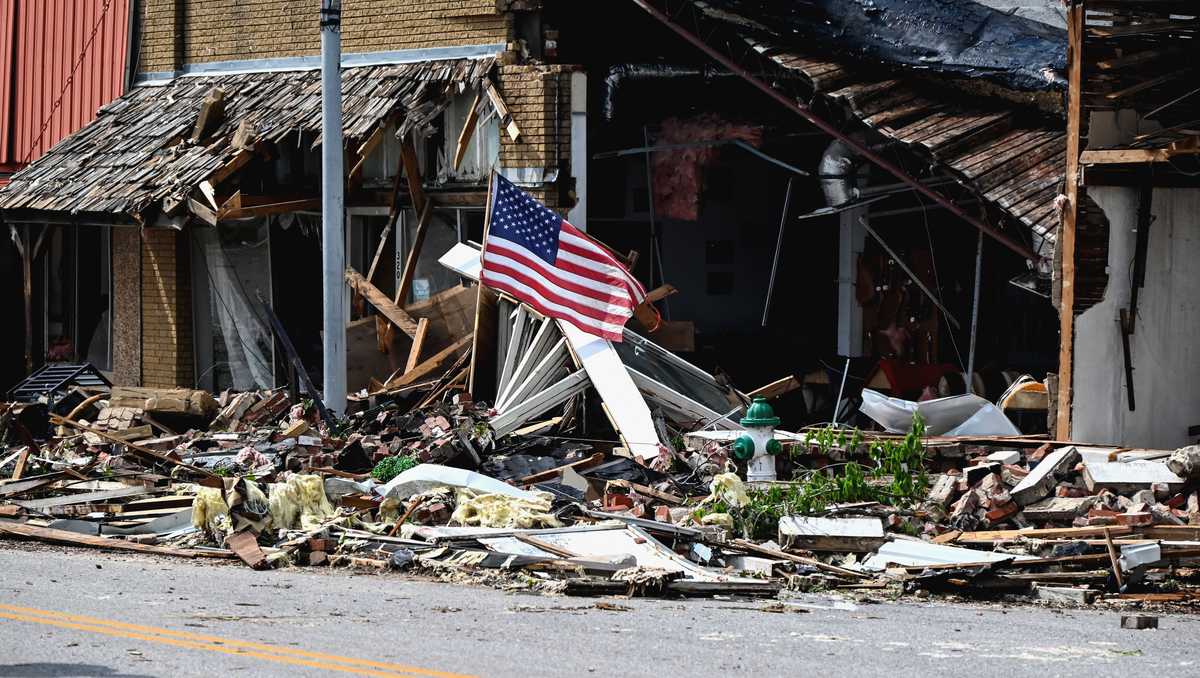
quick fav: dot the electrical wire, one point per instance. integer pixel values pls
(937, 282)
(932, 259)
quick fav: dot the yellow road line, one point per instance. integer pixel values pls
(230, 646)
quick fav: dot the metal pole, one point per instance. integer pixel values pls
(787, 204)
(837, 406)
(333, 255)
(974, 317)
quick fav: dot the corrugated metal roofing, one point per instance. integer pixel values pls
(1014, 166)
(1012, 160)
(61, 60)
(138, 150)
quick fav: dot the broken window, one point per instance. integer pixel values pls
(231, 270)
(482, 150)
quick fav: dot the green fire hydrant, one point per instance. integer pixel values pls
(758, 445)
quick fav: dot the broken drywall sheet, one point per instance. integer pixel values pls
(906, 553)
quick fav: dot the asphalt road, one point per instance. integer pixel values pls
(87, 613)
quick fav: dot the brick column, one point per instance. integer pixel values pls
(166, 310)
(127, 306)
(539, 98)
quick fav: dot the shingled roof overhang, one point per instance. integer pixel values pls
(138, 152)
(1011, 160)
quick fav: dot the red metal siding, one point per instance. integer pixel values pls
(62, 60)
(7, 40)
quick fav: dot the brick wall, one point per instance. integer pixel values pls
(539, 98)
(175, 32)
(159, 24)
(166, 310)
(127, 306)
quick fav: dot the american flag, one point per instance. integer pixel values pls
(536, 256)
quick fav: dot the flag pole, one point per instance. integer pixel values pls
(487, 215)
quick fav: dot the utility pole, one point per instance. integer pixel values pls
(333, 238)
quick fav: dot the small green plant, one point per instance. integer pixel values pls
(391, 467)
(900, 462)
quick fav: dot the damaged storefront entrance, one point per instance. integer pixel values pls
(721, 191)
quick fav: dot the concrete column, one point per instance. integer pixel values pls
(851, 240)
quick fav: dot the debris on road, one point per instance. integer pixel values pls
(479, 462)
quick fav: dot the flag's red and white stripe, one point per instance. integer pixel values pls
(586, 286)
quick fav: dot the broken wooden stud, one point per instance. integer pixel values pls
(418, 343)
(468, 131)
(1115, 558)
(381, 302)
(212, 111)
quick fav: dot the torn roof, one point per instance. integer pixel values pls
(1012, 159)
(958, 37)
(138, 152)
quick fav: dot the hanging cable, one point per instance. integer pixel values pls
(937, 282)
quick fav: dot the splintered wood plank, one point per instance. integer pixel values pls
(775, 388)
(433, 367)
(418, 343)
(412, 172)
(138, 449)
(381, 302)
(76, 539)
(22, 460)
(88, 497)
(1119, 156)
(1066, 239)
(468, 131)
(236, 163)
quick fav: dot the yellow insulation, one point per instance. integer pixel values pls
(210, 513)
(500, 510)
(299, 503)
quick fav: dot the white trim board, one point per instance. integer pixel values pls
(313, 62)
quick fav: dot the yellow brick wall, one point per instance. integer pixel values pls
(197, 31)
(166, 310)
(159, 25)
(539, 98)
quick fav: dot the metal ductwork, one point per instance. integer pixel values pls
(622, 72)
(842, 174)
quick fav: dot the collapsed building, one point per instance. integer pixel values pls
(720, 144)
(831, 203)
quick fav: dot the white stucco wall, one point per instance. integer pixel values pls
(1165, 346)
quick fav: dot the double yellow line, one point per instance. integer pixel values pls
(230, 646)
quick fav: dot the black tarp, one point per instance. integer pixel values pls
(959, 37)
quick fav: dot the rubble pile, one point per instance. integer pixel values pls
(260, 477)
(540, 457)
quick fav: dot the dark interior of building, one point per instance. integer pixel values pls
(717, 215)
